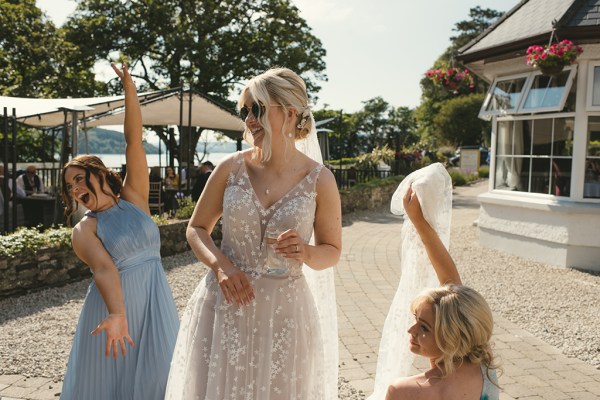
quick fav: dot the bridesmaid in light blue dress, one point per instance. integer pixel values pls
(128, 326)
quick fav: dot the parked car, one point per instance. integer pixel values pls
(484, 155)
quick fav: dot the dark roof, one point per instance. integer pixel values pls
(531, 22)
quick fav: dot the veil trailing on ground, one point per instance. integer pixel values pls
(433, 187)
(322, 286)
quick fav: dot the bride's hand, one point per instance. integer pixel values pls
(235, 285)
(291, 245)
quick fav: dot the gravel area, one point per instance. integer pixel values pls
(557, 305)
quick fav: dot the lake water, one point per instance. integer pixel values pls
(116, 160)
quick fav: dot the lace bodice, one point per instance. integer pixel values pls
(243, 243)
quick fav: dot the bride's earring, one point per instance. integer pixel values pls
(290, 135)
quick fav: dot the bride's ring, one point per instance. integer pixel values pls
(297, 248)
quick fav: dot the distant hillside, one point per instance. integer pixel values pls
(106, 141)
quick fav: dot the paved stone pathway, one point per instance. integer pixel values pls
(366, 281)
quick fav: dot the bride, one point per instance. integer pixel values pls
(254, 327)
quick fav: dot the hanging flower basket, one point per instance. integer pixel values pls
(453, 80)
(552, 59)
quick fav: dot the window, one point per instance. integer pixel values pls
(548, 93)
(535, 155)
(591, 188)
(504, 96)
(531, 93)
(594, 85)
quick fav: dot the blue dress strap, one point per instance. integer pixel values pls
(489, 391)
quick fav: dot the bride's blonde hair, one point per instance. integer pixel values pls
(463, 326)
(284, 88)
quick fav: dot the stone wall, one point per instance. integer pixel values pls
(367, 198)
(56, 266)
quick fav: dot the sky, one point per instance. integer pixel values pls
(374, 47)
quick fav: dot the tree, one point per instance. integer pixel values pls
(36, 59)
(457, 122)
(403, 128)
(210, 45)
(433, 96)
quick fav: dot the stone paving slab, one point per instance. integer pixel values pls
(366, 280)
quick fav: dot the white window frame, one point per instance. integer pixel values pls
(483, 113)
(561, 104)
(591, 66)
(519, 110)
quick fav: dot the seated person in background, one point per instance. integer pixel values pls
(29, 183)
(453, 327)
(171, 180)
(205, 170)
(171, 186)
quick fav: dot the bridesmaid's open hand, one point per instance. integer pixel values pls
(117, 331)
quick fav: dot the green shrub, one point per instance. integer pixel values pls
(159, 220)
(460, 179)
(30, 240)
(186, 208)
(484, 171)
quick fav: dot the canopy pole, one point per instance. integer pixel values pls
(14, 168)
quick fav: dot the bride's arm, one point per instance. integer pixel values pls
(233, 282)
(440, 258)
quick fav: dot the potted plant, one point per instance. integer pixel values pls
(454, 80)
(553, 58)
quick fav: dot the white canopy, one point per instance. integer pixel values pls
(158, 108)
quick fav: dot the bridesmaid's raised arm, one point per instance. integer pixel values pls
(136, 183)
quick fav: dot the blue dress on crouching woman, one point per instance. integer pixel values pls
(133, 241)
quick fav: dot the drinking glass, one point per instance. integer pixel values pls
(277, 264)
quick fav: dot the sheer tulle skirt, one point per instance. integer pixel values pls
(270, 349)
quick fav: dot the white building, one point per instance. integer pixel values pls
(544, 196)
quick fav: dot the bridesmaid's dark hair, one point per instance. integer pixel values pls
(91, 165)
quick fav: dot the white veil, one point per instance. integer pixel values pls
(433, 187)
(322, 286)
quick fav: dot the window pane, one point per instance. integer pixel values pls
(540, 175)
(563, 137)
(542, 137)
(560, 180)
(506, 94)
(547, 91)
(596, 88)
(591, 188)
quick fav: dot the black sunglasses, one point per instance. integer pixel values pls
(257, 110)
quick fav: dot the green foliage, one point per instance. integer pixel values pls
(484, 171)
(186, 208)
(372, 160)
(159, 220)
(460, 179)
(35, 57)
(33, 145)
(434, 96)
(457, 121)
(173, 41)
(30, 240)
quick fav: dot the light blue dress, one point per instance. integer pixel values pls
(133, 241)
(490, 391)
